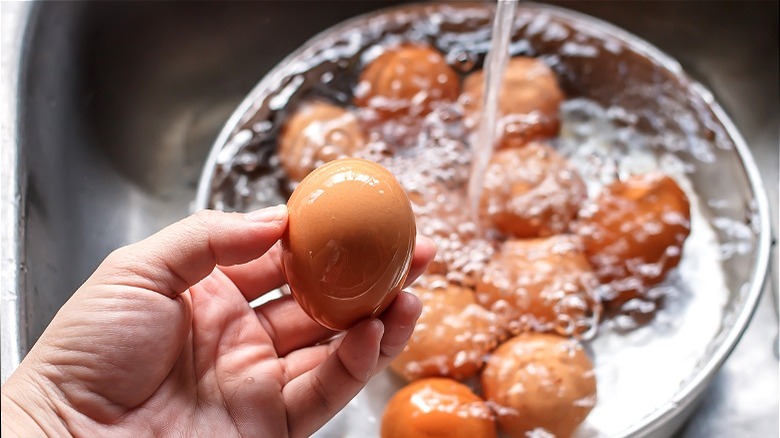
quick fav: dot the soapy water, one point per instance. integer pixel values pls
(639, 367)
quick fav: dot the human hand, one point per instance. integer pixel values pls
(161, 340)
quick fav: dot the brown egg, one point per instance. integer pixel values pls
(318, 132)
(437, 407)
(406, 80)
(349, 242)
(531, 192)
(634, 233)
(528, 102)
(452, 335)
(542, 284)
(540, 381)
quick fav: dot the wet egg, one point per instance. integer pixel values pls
(349, 242)
(543, 284)
(406, 80)
(452, 335)
(531, 191)
(437, 407)
(528, 103)
(634, 233)
(318, 132)
(540, 381)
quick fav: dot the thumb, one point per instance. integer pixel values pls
(184, 253)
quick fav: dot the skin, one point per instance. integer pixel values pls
(161, 341)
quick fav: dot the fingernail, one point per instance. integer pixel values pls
(377, 324)
(268, 214)
(419, 305)
(423, 240)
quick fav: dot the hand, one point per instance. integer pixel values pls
(161, 340)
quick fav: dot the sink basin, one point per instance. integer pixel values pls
(117, 105)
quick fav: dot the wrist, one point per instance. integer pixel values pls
(27, 411)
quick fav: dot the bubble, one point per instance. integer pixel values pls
(461, 60)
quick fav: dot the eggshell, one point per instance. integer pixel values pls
(532, 191)
(528, 103)
(452, 336)
(316, 133)
(437, 407)
(349, 242)
(406, 80)
(634, 233)
(540, 381)
(542, 284)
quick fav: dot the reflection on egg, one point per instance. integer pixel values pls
(349, 242)
(437, 407)
(540, 381)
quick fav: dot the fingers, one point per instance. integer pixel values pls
(424, 251)
(301, 361)
(182, 254)
(399, 320)
(324, 379)
(289, 327)
(317, 395)
(257, 277)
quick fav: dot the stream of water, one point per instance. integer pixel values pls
(495, 65)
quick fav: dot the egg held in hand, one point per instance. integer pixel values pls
(349, 242)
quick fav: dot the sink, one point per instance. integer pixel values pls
(117, 104)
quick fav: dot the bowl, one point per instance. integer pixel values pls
(658, 113)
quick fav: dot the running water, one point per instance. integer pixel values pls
(495, 65)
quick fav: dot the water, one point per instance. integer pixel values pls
(495, 65)
(638, 367)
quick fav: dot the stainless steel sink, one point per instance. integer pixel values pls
(112, 108)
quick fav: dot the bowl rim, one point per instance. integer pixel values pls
(662, 416)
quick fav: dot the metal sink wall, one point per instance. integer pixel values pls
(119, 102)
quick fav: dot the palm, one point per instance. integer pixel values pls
(228, 368)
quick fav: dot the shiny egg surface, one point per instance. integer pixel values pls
(349, 242)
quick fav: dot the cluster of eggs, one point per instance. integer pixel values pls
(553, 257)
